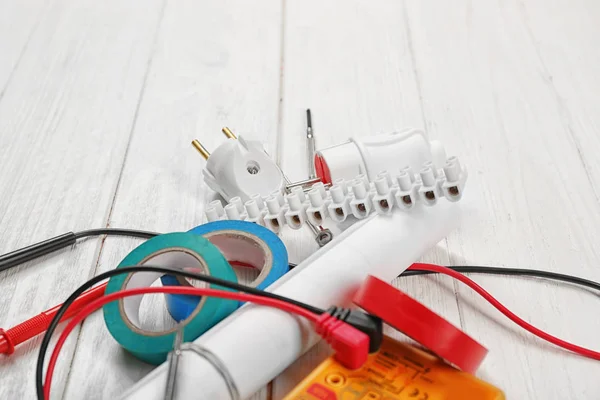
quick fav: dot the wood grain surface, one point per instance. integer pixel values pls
(100, 100)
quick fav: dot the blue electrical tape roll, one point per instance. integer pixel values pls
(239, 241)
(176, 250)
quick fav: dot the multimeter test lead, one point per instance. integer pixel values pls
(40, 323)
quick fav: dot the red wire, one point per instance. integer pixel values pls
(522, 323)
(96, 304)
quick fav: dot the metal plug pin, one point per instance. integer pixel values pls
(201, 149)
(228, 133)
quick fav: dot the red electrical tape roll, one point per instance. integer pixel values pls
(420, 323)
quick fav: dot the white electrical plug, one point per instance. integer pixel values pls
(241, 168)
(374, 154)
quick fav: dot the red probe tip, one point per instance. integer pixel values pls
(6, 345)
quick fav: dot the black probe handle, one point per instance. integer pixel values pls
(20, 256)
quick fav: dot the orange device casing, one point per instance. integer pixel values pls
(398, 371)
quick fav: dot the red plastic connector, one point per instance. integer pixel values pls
(351, 345)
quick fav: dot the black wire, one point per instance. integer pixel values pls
(141, 268)
(512, 271)
(17, 257)
(116, 232)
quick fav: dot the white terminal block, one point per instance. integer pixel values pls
(275, 217)
(339, 208)
(408, 188)
(456, 177)
(360, 198)
(431, 181)
(360, 206)
(317, 211)
(383, 200)
(242, 168)
(373, 154)
(296, 214)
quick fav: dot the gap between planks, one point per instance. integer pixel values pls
(117, 185)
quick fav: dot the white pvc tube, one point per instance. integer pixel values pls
(257, 343)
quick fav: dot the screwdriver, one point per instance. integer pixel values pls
(38, 324)
(310, 145)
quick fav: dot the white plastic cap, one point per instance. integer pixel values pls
(381, 185)
(273, 205)
(337, 194)
(404, 181)
(321, 188)
(216, 204)
(452, 169)
(279, 196)
(427, 176)
(358, 188)
(315, 198)
(252, 209)
(341, 182)
(294, 202)
(212, 214)
(298, 191)
(232, 212)
(238, 203)
(259, 200)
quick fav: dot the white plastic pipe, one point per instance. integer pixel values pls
(257, 343)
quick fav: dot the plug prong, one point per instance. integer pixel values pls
(228, 133)
(201, 149)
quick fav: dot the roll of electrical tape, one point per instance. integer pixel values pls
(176, 250)
(240, 242)
(420, 323)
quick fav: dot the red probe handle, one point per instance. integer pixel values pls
(38, 324)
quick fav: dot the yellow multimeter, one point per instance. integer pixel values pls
(398, 371)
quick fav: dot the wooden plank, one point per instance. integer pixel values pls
(351, 63)
(565, 37)
(216, 63)
(65, 120)
(18, 22)
(486, 93)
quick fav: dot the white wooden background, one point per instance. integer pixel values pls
(100, 99)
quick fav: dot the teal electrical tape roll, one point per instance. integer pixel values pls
(240, 241)
(176, 250)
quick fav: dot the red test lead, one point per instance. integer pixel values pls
(38, 324)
